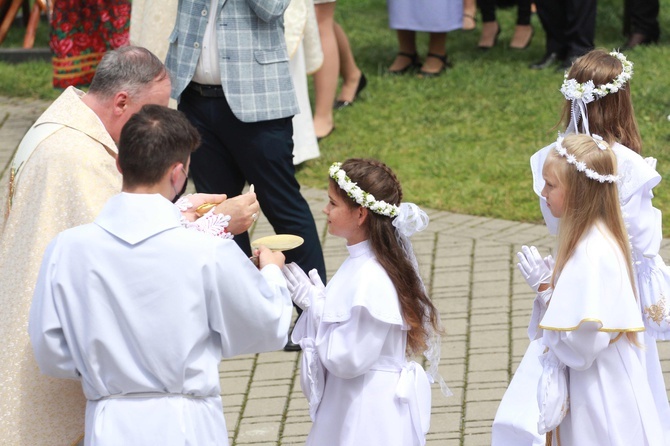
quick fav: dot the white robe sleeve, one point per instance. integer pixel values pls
(539, 309)
(250, 311)
(44, 326)
(348, 349)
(579, 348)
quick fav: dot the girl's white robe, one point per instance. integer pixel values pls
(354, 360)
(611, 402)
(515, 422)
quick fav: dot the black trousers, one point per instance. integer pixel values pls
(570, 25)
(641, 16)
(260, 153)
(488, 9)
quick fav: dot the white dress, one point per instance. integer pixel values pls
(354, 344)
(593, 302)
(141, 311)
(515, 422)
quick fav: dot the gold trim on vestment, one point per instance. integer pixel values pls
(606, 330)
(78, 440)
(12, 186)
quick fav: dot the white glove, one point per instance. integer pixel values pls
(533, 267)
(550, 262)
(301, 286)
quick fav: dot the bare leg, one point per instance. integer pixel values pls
(406, 45)
(436, 45)
(469, 14)
(325, 80)
(349, 71)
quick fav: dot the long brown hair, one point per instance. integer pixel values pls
(612, 116)
(379, 180)
(587, 201)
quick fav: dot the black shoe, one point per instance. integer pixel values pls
(566, 63)
(636, 39)
(446, 63)
(362, 83)
(292, 346)
(494, 43)
(319, 138)
(414, 63)
(548, 60)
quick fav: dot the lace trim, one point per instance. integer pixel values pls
(211, 224)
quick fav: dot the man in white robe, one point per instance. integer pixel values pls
(142, 310)
(67, 174)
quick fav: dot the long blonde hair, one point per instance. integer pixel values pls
(612, 116)
(587, 201)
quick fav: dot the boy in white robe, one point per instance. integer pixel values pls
(142, 310)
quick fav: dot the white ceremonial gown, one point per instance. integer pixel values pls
(64, 183)
(369, 393)
(141, 311)
(592, 308)
(516, 419)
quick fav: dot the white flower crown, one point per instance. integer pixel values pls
(359, 195)
(588, 92)
(581, 165)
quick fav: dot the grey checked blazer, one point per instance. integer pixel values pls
(253, 59)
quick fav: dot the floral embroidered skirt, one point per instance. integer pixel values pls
(81, 32)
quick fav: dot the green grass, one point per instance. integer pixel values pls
(460, 142)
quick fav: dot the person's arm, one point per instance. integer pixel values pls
(250, 310)
(268, 10)
(579, 348)
(348, 349)
(45, 328)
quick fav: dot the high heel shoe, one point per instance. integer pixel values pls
(485, 45)
(414, 63)
(523, 45)
(362, 83)
(446, 63)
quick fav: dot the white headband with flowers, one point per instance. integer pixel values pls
(588, 92)
(581, 165)
(583, 93)
(359, 195)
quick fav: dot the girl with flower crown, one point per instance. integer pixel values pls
(357, 333)
(598, 102)
(590, 327)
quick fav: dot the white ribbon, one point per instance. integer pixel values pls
(413, 389)
(410, 219)
(578, 110)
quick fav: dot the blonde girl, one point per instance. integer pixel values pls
(590, 322)
(358, 332)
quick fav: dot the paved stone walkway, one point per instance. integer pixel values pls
(468, 264)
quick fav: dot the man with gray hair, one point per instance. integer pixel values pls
(62, 174)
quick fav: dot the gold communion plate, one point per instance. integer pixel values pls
(279, 242)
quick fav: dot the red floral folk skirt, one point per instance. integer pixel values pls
(81, 32)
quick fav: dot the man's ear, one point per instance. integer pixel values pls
(175, 171)
(118, 166)
(121, 101)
